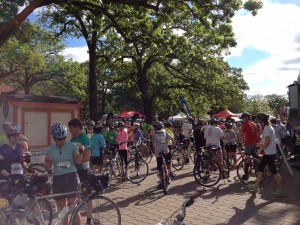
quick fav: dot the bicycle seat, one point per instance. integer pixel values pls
(163, 152)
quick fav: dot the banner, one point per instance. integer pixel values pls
(184, 106)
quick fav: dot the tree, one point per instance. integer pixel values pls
(11, 18)
(30, 57)
(275, 102)
(256, 104)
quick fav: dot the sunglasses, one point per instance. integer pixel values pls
(60, 139)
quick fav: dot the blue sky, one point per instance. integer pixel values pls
(268, 47)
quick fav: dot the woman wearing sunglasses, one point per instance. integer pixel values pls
(63, 155)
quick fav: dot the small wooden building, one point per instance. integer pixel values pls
(36, 114)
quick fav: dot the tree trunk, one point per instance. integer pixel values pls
(92, 78)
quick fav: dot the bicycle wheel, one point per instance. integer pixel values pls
(118, 168)
(178, 159)
(104, 211)
(41, 210)
(247, 171)
(38, 167)
(147, 155)
(207, 172)
(17, 217)
(137, 170)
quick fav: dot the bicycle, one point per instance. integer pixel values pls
(179, 218)
(165, 174)
(183, 153)
(17, 216)
(137, 168)
(112, 164)
(104, 210)
(207, 170)
(22, 195)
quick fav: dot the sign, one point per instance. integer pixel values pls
(184, 106)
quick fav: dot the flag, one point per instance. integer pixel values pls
(184, 106)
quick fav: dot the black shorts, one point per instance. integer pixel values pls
(159, 160)
(83, 174)
(97, 160)
(65, 183)
(270, 161)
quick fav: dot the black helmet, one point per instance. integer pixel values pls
(245, 115)
(214, 121)
(97, 128)
(157, 125)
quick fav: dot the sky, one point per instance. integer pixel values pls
(268, 47)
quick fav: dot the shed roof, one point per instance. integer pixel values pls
(42, 98)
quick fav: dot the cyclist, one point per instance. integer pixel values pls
(11, 165)
(137, 134)
(168, 128)
(122, 138)
(199, 138)
(230, 141)
(63, 155)
(213, 135)
(250, 133)
(160, 139)
(84, 143)
(111, 136)
(268, 147)
(98, 146)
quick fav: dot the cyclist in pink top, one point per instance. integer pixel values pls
(122, 138)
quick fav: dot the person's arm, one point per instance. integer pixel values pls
(78, 156)
(48, 161)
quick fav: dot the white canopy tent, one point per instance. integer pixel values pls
(177, 117)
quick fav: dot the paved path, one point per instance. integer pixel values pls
(226, 203)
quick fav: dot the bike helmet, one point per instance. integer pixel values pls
(157, 125)
(245, 115)
(136, 125)
(12, 129)
(214, 121)
(6, 124)
(97, 128)
(59, 130)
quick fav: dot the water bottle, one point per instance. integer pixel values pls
(62, 214)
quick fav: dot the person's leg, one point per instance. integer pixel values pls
(275, 173)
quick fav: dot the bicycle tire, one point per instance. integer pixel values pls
(253, 171)
(17, 216)
(192, 153)
(42, 211)
(38, 167)
(105, 211)
(207, 172)
(178, 159)
(137, 170)
(147, 156)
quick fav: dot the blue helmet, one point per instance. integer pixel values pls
(59, 130)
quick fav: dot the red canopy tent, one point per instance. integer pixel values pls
(225, 114)
(129, 114)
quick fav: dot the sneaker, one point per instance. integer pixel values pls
(172, 174)
(245, 177)
(279, 193)
(253, 188)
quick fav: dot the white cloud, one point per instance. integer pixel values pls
(273, 31)
(79, 54)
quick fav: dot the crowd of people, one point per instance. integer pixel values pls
(72, 161)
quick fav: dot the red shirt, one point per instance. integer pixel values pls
(251, 133)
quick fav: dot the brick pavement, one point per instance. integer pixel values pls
(225, 203)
